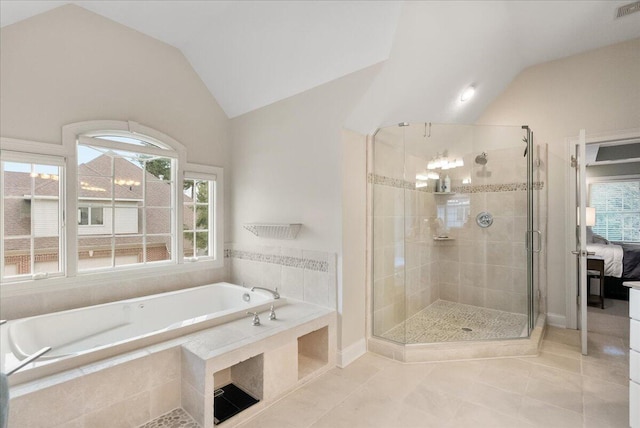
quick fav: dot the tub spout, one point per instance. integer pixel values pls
(275, 293)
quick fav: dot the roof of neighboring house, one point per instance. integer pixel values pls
(95, 184)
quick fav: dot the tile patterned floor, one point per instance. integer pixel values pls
(443, 321)
(177, 418)
(559, 388)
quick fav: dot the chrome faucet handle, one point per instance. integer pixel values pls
(256, 318)
(272, 314)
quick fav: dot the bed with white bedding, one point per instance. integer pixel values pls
(621, 260)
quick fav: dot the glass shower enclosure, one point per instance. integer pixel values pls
(456, 221)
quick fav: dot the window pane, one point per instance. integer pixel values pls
(202, 243)
(138, 207)
(128, 250)
(158, 248)
(47, 255)
(32, 213)
(93, 187)
(202, 217)
(197, 209)
(158, 194)
(97, 216)
(17, 257)
(158, 168)
(202, 192)
(17, 217)
(158, 220)
(94, 252)
(189, 243)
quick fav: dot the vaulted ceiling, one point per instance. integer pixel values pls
(254, 53)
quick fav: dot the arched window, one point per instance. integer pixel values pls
(115, 196)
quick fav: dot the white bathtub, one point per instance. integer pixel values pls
(96, 332)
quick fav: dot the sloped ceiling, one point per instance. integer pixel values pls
(251, 54)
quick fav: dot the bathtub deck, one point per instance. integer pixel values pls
(111, 386)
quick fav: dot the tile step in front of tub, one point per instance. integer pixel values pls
(230, 400)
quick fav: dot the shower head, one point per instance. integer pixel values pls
(481, 159)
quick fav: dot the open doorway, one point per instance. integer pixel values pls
(612, 184)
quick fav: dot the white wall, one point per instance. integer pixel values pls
(70, 65)
(288, 167)
(593, 90)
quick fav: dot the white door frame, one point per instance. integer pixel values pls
(570, 220)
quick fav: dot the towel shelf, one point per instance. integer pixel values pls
(274, 230)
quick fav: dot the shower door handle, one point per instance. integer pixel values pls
(539, 241)
(529, 241)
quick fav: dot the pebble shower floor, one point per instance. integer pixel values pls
(445, 321)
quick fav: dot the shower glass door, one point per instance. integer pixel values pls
(454, 247)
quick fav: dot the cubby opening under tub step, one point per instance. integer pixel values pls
(230, 400)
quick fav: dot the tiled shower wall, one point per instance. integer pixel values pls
(476, 266)
(304, 275)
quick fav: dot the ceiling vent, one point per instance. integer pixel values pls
(628, 9)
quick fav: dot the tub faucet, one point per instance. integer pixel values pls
(275, 293)
(272, 314)
(256, 318)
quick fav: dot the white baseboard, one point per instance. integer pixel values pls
(556, 320)
(351, 353)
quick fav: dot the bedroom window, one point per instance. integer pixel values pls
(617, 205)
(32, 238)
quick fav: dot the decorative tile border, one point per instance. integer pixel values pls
(465, 188)
(296, 262)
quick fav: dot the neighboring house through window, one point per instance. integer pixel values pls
(32, 215)
(126, 197)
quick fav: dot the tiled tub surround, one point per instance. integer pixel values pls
(480, 267)
(308, 276)
(84, 335)
(133, 388)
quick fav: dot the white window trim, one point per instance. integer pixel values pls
(67, 151)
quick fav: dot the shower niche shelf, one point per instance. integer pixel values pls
(274, 230)
(443, 238)
(444, 193)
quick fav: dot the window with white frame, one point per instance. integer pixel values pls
(32, 203)
(199, 196)
(617, 205)
(126, 202)
(126, 194)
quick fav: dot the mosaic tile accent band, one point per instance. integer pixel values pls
(296, 262)
(445, 321)
(465, 188)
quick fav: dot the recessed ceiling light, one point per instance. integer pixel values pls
(467, 94)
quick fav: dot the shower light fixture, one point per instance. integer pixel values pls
(443, 162)
(427, 176)
(467, 94)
